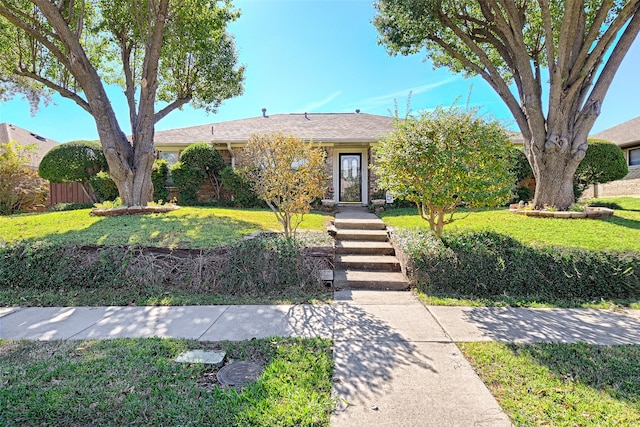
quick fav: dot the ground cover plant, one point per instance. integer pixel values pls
(561, 384)
(503, 262)
(267, 269)
(136, 381)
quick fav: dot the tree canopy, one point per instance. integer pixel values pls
(163, 53)
(568, 49)
(446, 159)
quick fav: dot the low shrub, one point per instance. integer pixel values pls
(159, 175)
(267, 265)
(59, 207)
(240, 188)
(187, 180)
(104, 187)
(488, 265)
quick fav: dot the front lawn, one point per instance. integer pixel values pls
(187, 227)
(136, 382)
(619, 233)
(73, 258)
(561, 384)
(495, 257)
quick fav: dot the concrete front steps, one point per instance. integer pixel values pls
(364, 257)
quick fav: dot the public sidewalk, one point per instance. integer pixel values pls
(396, 362)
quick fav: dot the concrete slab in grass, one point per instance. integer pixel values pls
(410, 322)
(409, 384)
(243, 322)
(51, 323)
(207, 357)
(368, 297)
(143, 322)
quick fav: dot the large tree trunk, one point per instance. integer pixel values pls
(130, 168)
(554, 157)
(554, 182)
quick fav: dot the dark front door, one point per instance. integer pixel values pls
(350, 178)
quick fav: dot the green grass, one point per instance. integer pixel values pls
(136, 382)
(619, 233)
(187, 227)
(561, 384)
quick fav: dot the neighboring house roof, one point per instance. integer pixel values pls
(624, 135)
(9, 132)
(320, 127)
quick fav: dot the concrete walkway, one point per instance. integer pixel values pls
(396, 362)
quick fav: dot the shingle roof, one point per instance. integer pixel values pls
(9, 132)
(625, 134)
(321, 127)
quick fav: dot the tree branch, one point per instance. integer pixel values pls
(591, 109)
(172, 106)
(61, 90)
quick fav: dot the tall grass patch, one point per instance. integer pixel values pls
(490, 266)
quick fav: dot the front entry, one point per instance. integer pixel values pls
(350, 180)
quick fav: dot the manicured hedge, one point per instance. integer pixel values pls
(491, 265)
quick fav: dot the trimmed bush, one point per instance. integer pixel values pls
(187, 180)
(104, 187)
(494, 266)
(159, 175)
(240, 188)
(604, 162)
(203, 156)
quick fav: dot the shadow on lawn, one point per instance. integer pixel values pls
(623, 222)
(613, 370)
(160, 230)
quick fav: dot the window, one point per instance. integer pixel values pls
(172, 157)
(634, 157)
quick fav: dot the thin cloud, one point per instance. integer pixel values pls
(316, 105)
(390, 97)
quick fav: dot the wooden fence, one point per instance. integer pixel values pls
(66, 193)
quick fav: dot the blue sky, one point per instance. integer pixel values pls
(322, 56)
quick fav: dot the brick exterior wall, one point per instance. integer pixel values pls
(628, 186)
(373, 176)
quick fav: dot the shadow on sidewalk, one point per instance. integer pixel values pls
(555, 325)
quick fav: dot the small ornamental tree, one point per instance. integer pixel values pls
(603, 162)
(285, 172)
(76, 161)
(20, 187)
(446, 159)
(206, 158)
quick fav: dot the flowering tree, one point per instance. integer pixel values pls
(287, 173)
(446, 159)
